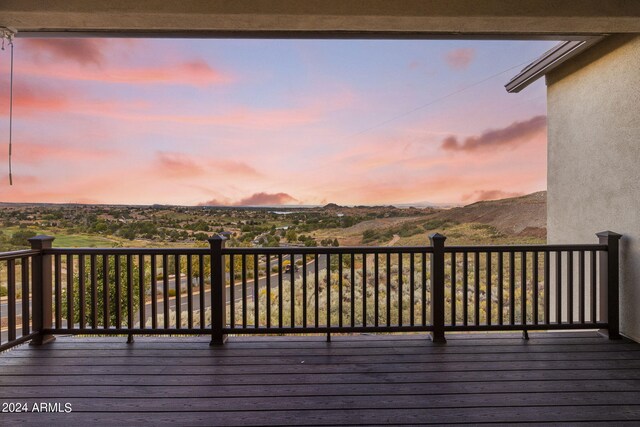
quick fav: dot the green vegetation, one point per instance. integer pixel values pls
(112, 294)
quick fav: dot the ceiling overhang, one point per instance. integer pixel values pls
(322, 18)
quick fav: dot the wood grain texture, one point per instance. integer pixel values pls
(576, 377)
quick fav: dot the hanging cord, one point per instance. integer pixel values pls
(11, 113)
(8, 34)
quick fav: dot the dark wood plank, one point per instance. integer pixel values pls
(347, 416)
(365, 379)
(284, 390)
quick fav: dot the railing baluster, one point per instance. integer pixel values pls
(500, 288)
(203, 301)
(57, 280)
(177, 284)
(400, 292)
(594, 287)
(81, 291)
(512, 288)
(232, 291)
(268, 285)
(94, 291)
(364, 290)
(292, 276)
(304, 290)
(118, 293)
(69, 276)
(154, 292)
(476, 290)
(523, 288)
(547, 287)
(189, 292)
(26, 297)
(454, 287)
(465, 288)
(488, 255)
(130, 306)
(570, 293)
(11, 299)
(143, 292)
(256, 289)
(165, 290)
(280, 288)
(388, 289)
(558, 287)
(316, 285)
(353, 289)
(581, 285)
(244, 291)
(536, 287)
(376, 284)
(424, 288)
(412, 285)
(340, 295)
(328, 293)
(106, 312)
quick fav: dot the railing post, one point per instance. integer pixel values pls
(218, 291)
(41, 290)
(610, 282)
(437, 288)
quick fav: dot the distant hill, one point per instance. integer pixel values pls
(523, 216)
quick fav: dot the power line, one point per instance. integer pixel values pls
(434, 101)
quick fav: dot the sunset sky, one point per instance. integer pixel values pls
(254, 122)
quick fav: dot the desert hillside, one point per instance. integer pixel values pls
(524, 216)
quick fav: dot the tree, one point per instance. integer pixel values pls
(111, 285)
(19, 238)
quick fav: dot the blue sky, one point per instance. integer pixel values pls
(272, 121)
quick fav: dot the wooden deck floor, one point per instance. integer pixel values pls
(363, 380)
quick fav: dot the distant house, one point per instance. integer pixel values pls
(593, 166)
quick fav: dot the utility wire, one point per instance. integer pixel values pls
(434, 101)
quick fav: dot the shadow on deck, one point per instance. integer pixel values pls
(366, 379)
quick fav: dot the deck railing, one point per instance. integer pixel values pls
(221, 291)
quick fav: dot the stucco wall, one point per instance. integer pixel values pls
(594, 158)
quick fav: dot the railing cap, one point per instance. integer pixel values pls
(41, 241)
(216, 242)
(609, 234)
(437, 236)
(216, 237)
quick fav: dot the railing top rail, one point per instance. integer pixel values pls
(128, 251)
(328, 250)
(526, 248)
(18, 254)
(308, 250)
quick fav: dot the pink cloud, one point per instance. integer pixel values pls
(480, 195)
(194, 72)
(80, 50)
(256, 199)
(510, 136)
(459, 59)
(29, 98)
(180, 165)
(33, 153)
(177, 165)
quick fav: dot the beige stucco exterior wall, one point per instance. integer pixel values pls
(594, 158)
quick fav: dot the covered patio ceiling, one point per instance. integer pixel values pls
(323, 18)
